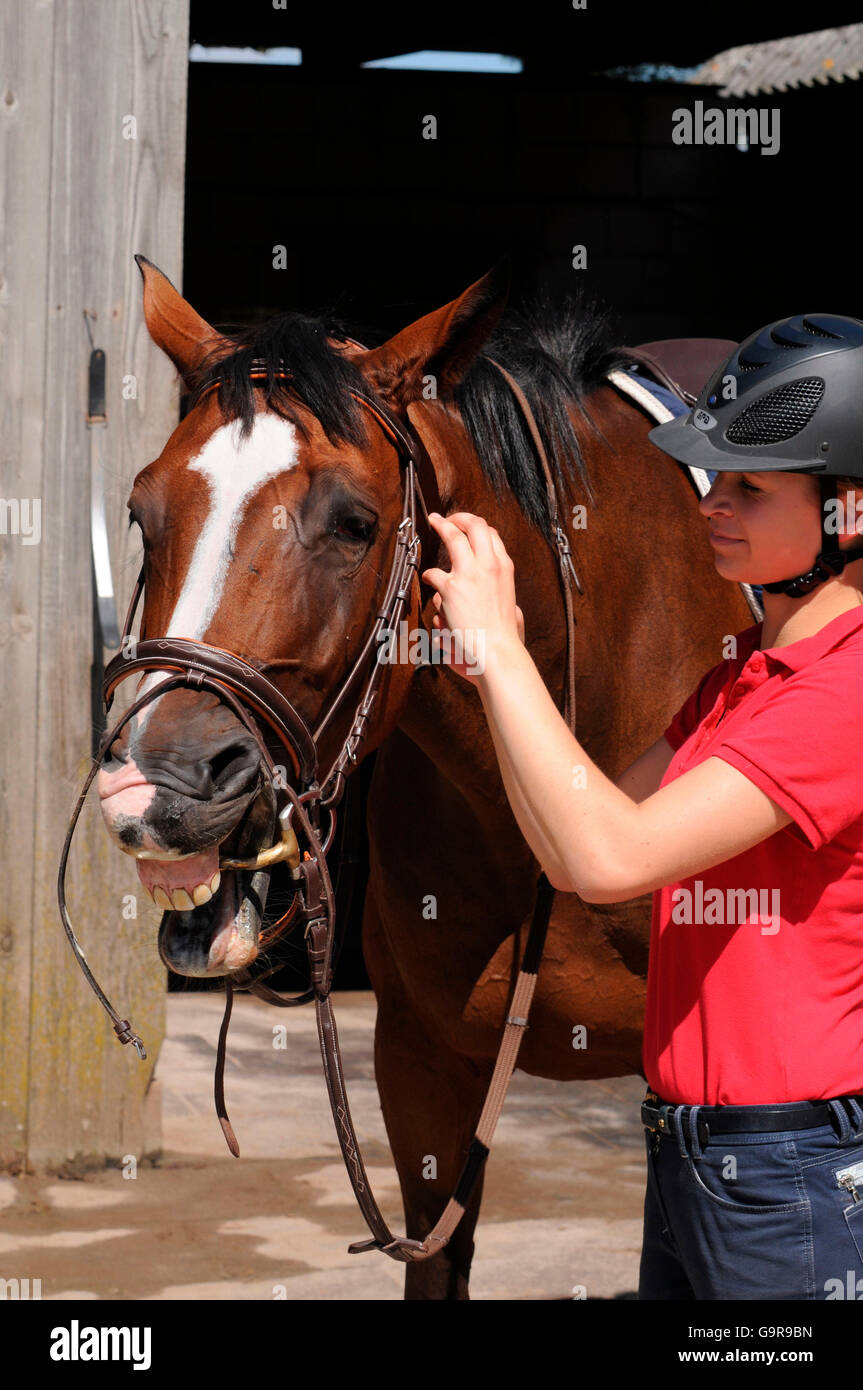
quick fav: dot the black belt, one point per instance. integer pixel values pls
(740, 1119)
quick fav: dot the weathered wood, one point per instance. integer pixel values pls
(83, 188)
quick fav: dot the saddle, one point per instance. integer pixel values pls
(683, 365)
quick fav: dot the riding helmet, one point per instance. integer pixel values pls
(789, 399)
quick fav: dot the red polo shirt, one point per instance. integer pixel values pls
(742, 1009)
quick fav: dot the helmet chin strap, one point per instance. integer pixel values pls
(830, 560)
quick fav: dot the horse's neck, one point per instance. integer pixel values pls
(443, 715)
(650, 620)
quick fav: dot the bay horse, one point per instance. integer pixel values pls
(268, 525)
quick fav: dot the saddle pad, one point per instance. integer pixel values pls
(661, 405)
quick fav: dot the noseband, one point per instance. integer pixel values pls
(256, 701)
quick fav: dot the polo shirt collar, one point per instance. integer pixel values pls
(799, 654)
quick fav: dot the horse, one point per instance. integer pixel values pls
(269, 524)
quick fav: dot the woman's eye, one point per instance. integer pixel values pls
(750, 487)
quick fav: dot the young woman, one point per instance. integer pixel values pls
(745, 819)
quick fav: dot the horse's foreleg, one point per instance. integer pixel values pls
(431, 1099)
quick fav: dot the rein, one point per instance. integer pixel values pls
(253, 698)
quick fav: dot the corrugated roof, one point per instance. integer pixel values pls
(777, 64)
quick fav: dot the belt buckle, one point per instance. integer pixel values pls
(655, 1117)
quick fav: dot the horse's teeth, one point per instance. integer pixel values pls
(180, 899)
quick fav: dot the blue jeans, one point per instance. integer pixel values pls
(754, 1216)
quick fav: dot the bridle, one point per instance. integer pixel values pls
(256, 700)
(200, 666)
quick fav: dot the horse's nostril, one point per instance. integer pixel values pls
(237, 762)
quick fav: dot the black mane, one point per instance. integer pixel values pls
(321, 377)
(557, 350)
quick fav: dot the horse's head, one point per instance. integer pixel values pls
(269, 524)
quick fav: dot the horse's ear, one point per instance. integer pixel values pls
(173, 324)
(442, 344)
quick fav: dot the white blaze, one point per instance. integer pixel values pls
(234, 471)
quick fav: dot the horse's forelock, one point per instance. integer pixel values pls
(321, 377)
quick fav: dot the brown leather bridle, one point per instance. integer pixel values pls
(255, 700)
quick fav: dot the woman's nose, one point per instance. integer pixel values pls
(714, 500)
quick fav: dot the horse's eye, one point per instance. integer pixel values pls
(353, 528)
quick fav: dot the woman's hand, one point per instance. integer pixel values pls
(476, 598)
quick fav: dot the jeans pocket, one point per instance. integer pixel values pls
(754, 1178)
(817, 1150)
(847, 1177)
(854, 1222)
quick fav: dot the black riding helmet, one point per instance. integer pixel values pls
(790, 399)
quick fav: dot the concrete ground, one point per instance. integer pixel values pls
(561, 1212)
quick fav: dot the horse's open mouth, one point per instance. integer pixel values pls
(222, 935)
(212, 920)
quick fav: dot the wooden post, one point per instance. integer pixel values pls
(92, 145)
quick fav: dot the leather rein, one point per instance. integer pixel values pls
(253, 699)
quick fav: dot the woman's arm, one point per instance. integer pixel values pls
(642, 778)
(591, 837)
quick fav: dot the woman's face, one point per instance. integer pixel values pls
(764, 526)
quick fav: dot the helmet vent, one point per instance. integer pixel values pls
(786, 340)
(819, 332)
(778, 415)
(747, 365)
